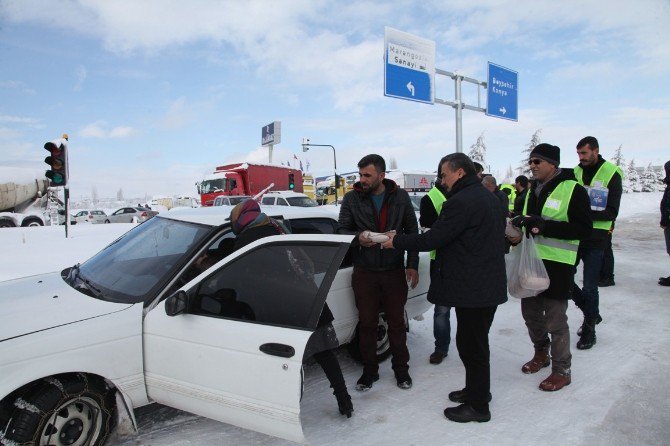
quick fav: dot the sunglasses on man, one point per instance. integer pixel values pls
(534, 161)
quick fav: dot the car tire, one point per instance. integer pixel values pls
(107, 221)
(383, 342)
(72, 410)
(6, 223)
(32, 222)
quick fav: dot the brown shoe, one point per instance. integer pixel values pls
(539, 361)
(556, 381)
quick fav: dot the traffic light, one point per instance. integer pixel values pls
(57, 161)
(291, 181)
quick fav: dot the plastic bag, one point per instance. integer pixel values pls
(526, 274)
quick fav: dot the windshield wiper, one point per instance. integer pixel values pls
(93, 291)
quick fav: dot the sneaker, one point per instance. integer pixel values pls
(404, 380)
(606, 282)
(365, 382)
(460, 396)
(466, 413)
(555, 381)
(437, 356)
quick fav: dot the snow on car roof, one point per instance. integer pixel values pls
(218, 215)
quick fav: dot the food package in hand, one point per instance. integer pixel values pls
(377, 237)
(532, 282)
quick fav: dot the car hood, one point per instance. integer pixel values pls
(44, 301)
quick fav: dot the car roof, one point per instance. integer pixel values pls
(218, 215)
(283, 193)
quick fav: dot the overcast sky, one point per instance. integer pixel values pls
(155, 94)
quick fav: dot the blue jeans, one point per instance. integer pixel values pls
(587, 298)
(441, 328)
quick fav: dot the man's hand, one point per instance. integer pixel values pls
(389, 243)
(515, 240)
(534, 224)
(364, 241)
(412, 277)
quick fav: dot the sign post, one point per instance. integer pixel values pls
(271, 135)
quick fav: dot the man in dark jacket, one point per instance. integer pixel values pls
(557, 214)
(603, 181)
(491, 184)
(521, 186)
(665, 218)
(469, 274)
(380, 279)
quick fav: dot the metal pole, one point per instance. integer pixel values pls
(270, 153)
(459, 114)
(66, 196)
(337, 181)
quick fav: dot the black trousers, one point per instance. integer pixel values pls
(472, 341)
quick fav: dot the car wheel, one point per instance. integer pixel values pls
(383, 342)
(107, 221)
(6, 223)
(32, 222)
(63, 411)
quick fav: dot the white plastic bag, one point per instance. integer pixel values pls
(526, 274)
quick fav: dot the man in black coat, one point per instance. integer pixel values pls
(521, 186)
(380, 278)
(665, 219)
(557, 213)
(469, 274)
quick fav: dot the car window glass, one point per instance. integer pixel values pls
(268, 200)
(281, 202)
(274, 284)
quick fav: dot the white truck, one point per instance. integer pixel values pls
(23, 197)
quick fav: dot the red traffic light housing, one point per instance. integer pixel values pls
(57, 161)
(291, 181)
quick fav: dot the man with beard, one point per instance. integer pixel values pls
(380, 277)
(603, 181)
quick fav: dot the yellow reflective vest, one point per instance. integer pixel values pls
(602, 177)
(511, 195)
(438, 199)
(556, 209)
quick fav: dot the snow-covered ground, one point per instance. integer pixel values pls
(619, 394)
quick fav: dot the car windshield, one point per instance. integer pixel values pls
(138, 264)
(301, 201)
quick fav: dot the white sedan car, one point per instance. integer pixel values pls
(92, 216)
(137, 323)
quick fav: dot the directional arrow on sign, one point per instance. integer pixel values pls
(503, 110)
(410, 87)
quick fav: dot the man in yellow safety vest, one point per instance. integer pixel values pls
(556, 213)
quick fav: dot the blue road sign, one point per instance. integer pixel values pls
(502, 93)
(409, 67)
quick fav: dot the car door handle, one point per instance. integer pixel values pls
(282, 350)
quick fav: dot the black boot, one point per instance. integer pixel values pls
(588, 336)
(581, 327)
(344, 402)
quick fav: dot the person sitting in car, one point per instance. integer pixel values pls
(250, 224)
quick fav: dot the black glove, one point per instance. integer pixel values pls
(534, 224)
(518, 221)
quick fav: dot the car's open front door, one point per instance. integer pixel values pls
(235, 354)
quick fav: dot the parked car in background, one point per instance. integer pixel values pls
(130, 214)
(92, 216)
(226, 200)
(98, 339)
(61, 218)
(287, 198)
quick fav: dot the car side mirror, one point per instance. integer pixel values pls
(177, 303)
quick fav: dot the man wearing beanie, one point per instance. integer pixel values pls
(557, 214)
(603, 180)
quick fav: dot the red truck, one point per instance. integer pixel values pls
(247, 179)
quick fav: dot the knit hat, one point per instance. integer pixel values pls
(547, 152)
(243, 214)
